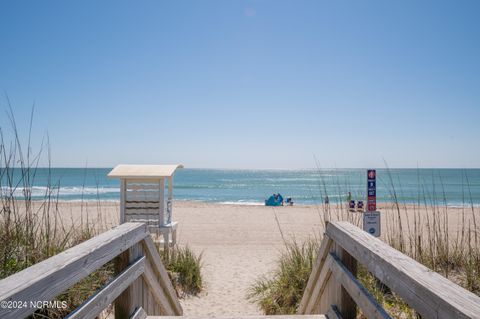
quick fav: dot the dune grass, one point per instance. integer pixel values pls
(184, 268)
(281, 293)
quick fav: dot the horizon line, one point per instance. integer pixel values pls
(256, 169)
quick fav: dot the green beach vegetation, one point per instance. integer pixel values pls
(281, 292)
(184, 268)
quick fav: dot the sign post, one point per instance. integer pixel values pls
(371, 218)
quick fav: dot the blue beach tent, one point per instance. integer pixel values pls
(274, 200)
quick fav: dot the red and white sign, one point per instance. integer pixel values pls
(371, 190)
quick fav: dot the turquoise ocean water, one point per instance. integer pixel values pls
(455, 186)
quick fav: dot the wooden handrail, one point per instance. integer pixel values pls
(99, 301)
(143, 271)
(315, 286)
(429, 293)
(160, 270)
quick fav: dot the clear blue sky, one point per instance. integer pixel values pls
(246, 84)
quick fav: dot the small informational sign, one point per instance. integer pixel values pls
(371, 190)
(371, 223)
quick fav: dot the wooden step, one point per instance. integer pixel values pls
(244, 317)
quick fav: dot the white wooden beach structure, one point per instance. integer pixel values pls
(142, 198)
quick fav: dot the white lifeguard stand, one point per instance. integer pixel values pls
(142, 198)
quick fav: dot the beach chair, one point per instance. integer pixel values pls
(351, 205)
(360, 205)
(142, 198)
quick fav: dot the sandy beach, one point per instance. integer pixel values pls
(239, 243)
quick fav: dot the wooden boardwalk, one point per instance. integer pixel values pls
(141, 287)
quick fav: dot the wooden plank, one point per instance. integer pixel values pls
(246, 317)
(153, 212)
(152, 201)
(142, 205)
(144, 186)
(142, 197)
(316, 269)
(144, 171)
(143, 202)
(150, 223)
(169, 208)
(162, 201)
(344, 302)
(141, 218)
(49, 278)
(139, 314)
(170, 188)
(356, 290)
(146, 209)
(122, 200)
(157, 291)
(330, 294)
(151, 304)
(142, 193)
(140, 184)
(139, 180)
(143, 189)
(100, 300)
(319, 288)
(334, 313)
(429, 293)
(161, 271)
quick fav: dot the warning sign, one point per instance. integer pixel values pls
(371, 190)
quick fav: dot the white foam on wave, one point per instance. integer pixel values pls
(243, 203)
(37, 191)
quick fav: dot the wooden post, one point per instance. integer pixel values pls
(162, 214)
(162, 202)
(123, 189)
(170, 199)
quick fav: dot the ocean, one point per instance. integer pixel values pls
(455, 187)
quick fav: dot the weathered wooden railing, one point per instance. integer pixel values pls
(333, 288)
(141, 285)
